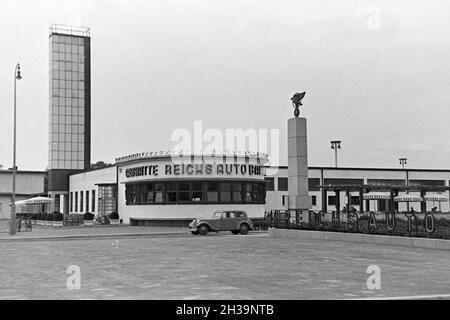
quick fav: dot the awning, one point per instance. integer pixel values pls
(35, 200)
(435, 197)
(408, 198)
(376, 196)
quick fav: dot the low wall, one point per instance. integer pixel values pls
(182, 223)
(361, 238)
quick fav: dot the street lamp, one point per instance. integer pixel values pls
(336, 144)
(12, 227)
(403, 162)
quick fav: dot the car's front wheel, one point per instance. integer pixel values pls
(194, 233)
(243, 229)
(203, 230)
(234, 231)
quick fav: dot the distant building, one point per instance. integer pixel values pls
(139, 196)
(69, 148)
(28, 184)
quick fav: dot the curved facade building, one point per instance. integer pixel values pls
(158, 186)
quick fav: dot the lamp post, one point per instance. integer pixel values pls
(403, 161)
(12, 228)
(336, 144)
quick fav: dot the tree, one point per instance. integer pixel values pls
(100, 164)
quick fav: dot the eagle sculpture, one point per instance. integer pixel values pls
(296, 102)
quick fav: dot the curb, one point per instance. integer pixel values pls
(106, 236)
(95, 236)
(439, 244)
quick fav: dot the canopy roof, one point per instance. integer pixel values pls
(382, 187)
(35, 200)
(373, 195)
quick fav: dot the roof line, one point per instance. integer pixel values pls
(366, 169)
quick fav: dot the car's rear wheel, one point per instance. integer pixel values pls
(243, 229)
(234, 231)
(203, 230)
(194, 233)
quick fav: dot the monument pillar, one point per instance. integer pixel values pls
(298, 162)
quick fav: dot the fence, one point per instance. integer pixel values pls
(411, 224)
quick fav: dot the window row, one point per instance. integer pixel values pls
(62, 110)
(66, 146)
(82, 201)
(65, 102)
(68, 84)
(61, 129)
(67, 155)
(313, 184)
(68, 75)
(66, 164)
(76, 118)
(64, 39)
(67, 93)
(56, 145)
(195, 192)
(73, 65)
(61, 48)
(67, 57)
(354, 200)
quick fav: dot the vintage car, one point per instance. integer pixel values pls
(234, 221)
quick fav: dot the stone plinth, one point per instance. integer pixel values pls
(298, 166)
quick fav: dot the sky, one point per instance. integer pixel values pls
(375, 75)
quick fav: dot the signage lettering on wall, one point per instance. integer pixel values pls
(373, 225)
(196, 169)
(141, 171)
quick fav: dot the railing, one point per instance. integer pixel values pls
(430, 224)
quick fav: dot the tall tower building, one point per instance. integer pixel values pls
(69, 108)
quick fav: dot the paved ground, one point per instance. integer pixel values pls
(219, 266)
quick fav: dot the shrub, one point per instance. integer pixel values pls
(114, 215)
(88, 216)
(43, 216)
(58, 216)
(50, 217)
(34, 216)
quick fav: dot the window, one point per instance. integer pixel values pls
(130, 193)
(158, 193)
(212, 194)
(282, 184)
(197, 192)
(354, 200)
(76, 201)
(248, 192)
(150, 193)
(87, 201)
(141, 193)
(284, 200)
(107, 197)
(225, 192)
(71, 202)
(194, 192)
(93, 201)
(314, 200)
(270, 184)
(171, 192)
(183, 193)
(331, 200)
(237, 192)
(81, 201)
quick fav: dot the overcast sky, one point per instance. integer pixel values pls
(376, 75)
